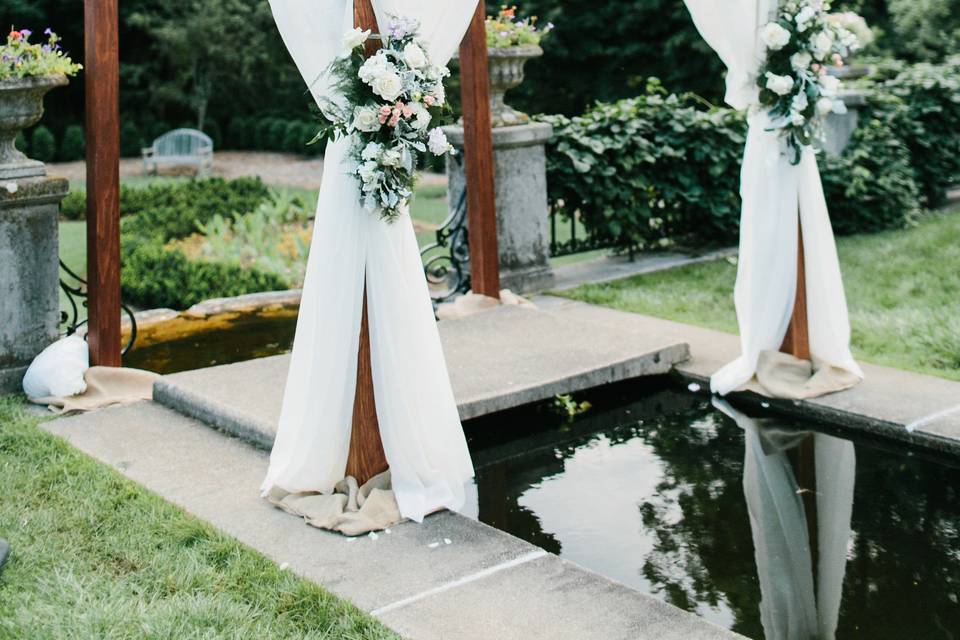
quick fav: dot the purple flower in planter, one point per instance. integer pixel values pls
(48, 32)
(25, 33)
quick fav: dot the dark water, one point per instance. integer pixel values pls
(767, 527)
(247, 337)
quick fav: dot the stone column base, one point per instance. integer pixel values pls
(523, 224)
(29, 273)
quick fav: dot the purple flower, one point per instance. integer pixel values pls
(48, 32)
(25, 33)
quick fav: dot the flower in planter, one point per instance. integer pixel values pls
(506, 30)
(19, 58)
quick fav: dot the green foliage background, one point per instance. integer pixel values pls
(209, 64)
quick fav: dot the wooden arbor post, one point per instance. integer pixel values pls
(367, 457)
(102, 82)
(478, 152)
(797, 340)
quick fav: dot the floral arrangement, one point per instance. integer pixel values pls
(507, 30)
(386, 103)
(855, 24)
(795, 87)
(19, 58)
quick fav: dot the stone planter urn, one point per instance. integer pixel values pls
(21, 107)
(506, 72)
(29, 208)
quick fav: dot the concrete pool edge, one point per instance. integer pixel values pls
(913, 408)
(483, 583)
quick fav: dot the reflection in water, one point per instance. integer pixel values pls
(768, 529)
(799, 491)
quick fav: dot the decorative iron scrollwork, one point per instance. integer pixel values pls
(75, 289)
(447, 261)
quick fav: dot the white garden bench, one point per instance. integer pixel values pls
(179, 148)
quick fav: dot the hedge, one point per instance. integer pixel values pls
(155, 275)
(43, 146)
(662, 169)
(74, 144)
(649, 171)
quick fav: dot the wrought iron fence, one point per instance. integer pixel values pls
(568, 236)
(75, 289)
(446, 261)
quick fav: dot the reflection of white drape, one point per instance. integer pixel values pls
(791, 607)
(772, 192)
(419, 423)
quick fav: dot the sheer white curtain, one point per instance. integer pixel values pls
(419, 423)
(773, 193)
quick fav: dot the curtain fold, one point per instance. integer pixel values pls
(419, 424)
(774, 193)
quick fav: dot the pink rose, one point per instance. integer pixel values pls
(429, 100)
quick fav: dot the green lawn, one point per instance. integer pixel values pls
(97, 556)
(903, 289)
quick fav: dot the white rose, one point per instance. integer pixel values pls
(824, 106)
(387, 85)
(774, 36)
(414, 56)
(391, 158)
(821, 44)
(422, 121)
(797, 119)
(801, 60)
(369, 172)
(804, 17)
(799, 102)
(829, 85)
(366, 119)
(839, 107)
(780, 85)
(373, 67)
(371, 151)
(437, 142)
(355, 38)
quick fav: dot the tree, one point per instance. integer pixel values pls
(206, 49)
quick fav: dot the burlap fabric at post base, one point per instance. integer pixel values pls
(352, 510)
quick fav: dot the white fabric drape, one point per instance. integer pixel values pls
(419, 424)
(773, 193)
(794, 605)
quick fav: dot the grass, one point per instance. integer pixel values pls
(902, 291)
(96, 556)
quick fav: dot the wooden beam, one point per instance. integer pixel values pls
(102, 81)
(478, 156)
(797, 340)
(367, 457)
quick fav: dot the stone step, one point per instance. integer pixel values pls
(484, 584)
(498, 359)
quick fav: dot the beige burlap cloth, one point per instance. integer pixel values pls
(106, 386)
(781, 375)
(350, 509)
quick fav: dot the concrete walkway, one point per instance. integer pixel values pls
(483, 584)
(498, 359)
(610, 268)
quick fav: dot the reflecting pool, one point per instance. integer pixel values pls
(768, 527)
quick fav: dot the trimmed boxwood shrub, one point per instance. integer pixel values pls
(931, 130)
(74, 144)
(649, 171)
(43, 146)
(871, 186)
(156, 275)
